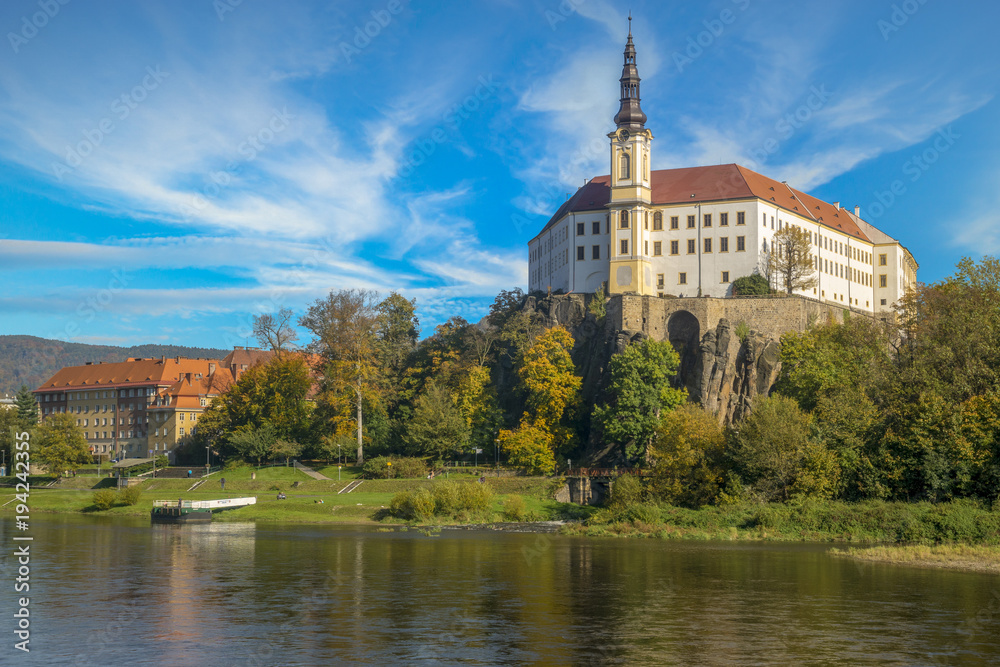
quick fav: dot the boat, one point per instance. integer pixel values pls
(193, 511)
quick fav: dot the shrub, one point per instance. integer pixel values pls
(626, 490)
(475, 497)
(386, 467)
(514, 508)
(412, 505)
(104, 499)
(742, 331)
(130, 495)
(752, 285)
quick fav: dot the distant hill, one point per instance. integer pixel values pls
(31, 361)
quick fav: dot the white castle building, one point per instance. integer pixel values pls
(692, 231)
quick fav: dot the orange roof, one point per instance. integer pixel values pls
(133, 372)
(697, 185)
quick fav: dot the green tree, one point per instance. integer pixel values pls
(27, 407)
(768, 448)
(285, 449)
(397, 331)
(688, 457)
(437, 427)
(639, 393)
(254, 443)
(345, 329)
(752, 285)
(59, 444)
(476, 399)
(598, 304)
(791, 259)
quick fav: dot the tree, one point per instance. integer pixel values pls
(274, 394)
(639, 393)
(476, 399)
(398, 329)
(598, 304)
(59, 444)
(27, 408)
(437, 427)
(254, 443)
(752, 285)
(768, 447)
(275, 332)
(285, 449)
(550, 380)
(529, 447)
(345, 326)
(688, 457)
(791, 259)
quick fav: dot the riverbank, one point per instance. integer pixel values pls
(947, 556)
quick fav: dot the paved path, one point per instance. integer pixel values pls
(309, 471)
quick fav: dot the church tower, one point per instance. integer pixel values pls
(631, 193)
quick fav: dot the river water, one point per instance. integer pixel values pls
(123, 592)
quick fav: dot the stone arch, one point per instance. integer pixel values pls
(684, 333)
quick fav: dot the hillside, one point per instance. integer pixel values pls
(30, 360)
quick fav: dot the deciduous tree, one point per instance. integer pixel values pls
(275, 331)
(791, 259)
(437, 427)
(59, 444)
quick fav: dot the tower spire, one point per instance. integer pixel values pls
(630, 114)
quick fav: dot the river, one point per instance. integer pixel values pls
(123, 592)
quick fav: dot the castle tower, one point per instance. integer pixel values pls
(631, 194)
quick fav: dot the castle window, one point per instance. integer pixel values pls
(741, 218)
(580, 253)
(708, 245)
(674, 245)
(674, 222)
(659, 281)
(741, 243)
(764, 215)
(657, 222)
(580, 229)
(883, 302)
(624, 247)
(882, 261)
(596, 227)
(626, 163)
(883, 281)
(725, 276)
(645, 248)
(692, 247)
(623, 220)
(723, 220)
(724, 244)
(707, 220)
(682, 279)
(691, 222)
(657, 248)
(595, 252)
(645, 220)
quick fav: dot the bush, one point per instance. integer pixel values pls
(412, 505)
(446, 499)
(514, 508)
(752, 285)
(130, 495)
(104, 499)
(387, 467)
(626, 490)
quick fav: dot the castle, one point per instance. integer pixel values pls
(693, 231)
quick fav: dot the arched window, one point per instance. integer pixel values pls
(657, 221)
(624, 220)
(624, 173)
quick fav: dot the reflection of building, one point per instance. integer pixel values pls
(139, 406)
(692, 231)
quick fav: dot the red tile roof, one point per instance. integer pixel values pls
(698, 185)
(125, 373)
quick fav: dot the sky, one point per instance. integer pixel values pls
(170, 169)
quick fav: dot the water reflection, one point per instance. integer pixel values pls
(120, 592)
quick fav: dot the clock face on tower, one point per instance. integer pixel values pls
(623, 135)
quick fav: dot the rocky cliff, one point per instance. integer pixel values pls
(721, 370)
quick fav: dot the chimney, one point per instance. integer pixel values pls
(857, 211)
(836, 205)
(211, 369)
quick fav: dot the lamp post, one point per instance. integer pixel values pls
(208, 465)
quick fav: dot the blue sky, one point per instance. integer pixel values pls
(169, 169)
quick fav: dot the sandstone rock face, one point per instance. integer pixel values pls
(720, 371)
